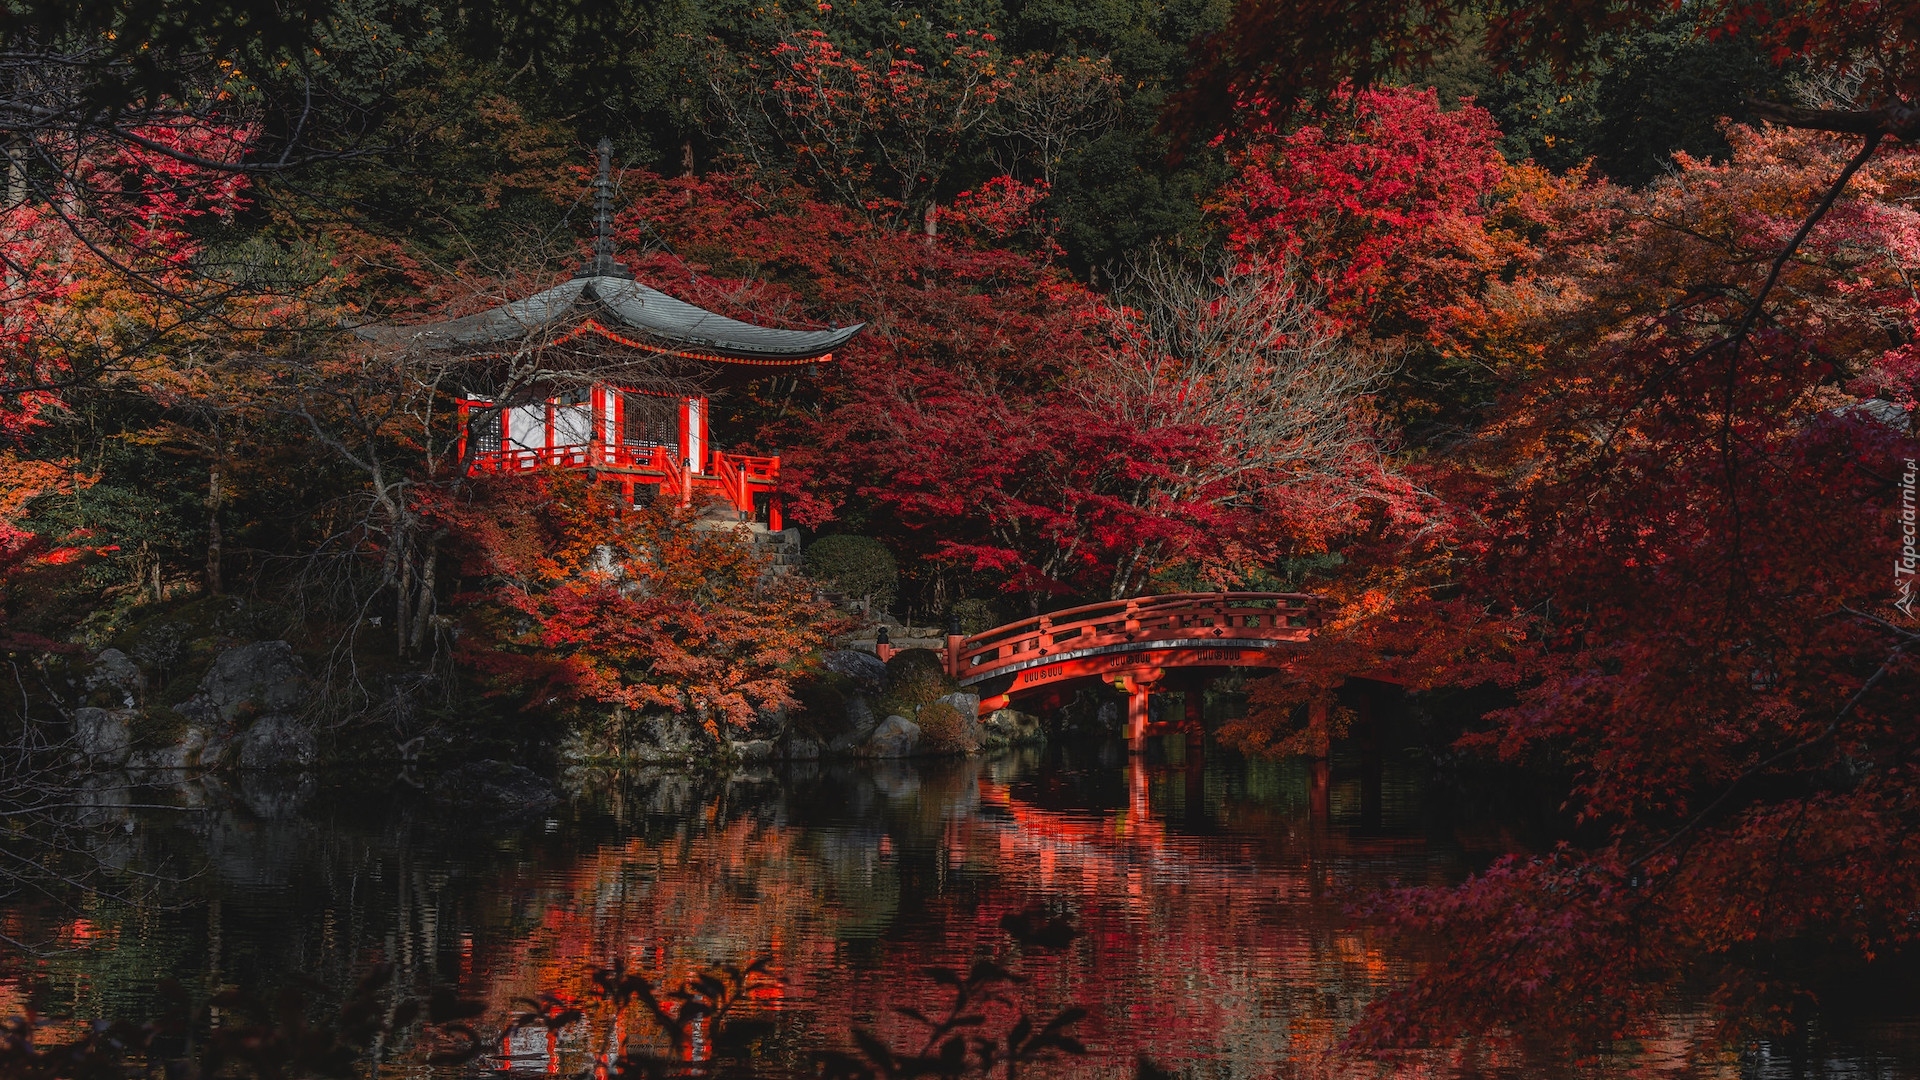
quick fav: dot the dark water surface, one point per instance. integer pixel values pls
(1212, 897)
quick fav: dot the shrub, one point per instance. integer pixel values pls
(915, 677)
(976, 616)
(944, 730)
(858, 566)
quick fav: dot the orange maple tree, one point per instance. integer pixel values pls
(572, 604)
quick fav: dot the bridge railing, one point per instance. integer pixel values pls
(1223, 617)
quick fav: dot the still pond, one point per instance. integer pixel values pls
(1210, 899)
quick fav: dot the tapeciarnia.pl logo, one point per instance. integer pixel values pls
(1909, 561)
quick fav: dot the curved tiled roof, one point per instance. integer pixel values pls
(625, 305)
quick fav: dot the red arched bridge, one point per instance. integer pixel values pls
(1133, 644)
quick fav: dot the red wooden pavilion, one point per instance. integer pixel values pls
(636, 435)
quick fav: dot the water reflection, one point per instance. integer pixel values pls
(1212, 895)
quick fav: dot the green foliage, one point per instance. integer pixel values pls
(976, 615)
(859, 566)
(1646, 94)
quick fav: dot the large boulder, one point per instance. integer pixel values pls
(752, 751)
(964, 700)
(857, 724)
(1011, 727)
(103, 736)
(630, 738)
(663, 739)
(277, 741)
(867, 672)
(116, 676)
(249, 680)
(968, 705)
(214, 750)
(768, 725)
(102, 800)
(896, 737)
(800, 748)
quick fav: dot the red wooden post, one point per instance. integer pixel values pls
(1320, 773)
(547, 457)
(596, 446)
(1318, 740)
(460, 444)
(1137, 715)
(689, 452)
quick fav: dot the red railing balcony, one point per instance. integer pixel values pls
(603, 432)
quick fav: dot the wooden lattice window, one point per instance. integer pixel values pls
(650, 421)
(484, 428)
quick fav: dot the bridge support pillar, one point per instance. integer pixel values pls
(1137, 718)
(1320, 776)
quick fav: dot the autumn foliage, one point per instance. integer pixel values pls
(573, 605)
(1628, 463)
(1691, 548)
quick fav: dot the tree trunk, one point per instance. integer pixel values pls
(214, 494)
(402, 593)
(423, 610)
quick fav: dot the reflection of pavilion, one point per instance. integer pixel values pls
(549, 390)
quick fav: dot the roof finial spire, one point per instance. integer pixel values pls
(603, 264)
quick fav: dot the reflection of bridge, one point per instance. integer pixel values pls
(1133, 644)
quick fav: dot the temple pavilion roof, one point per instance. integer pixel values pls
(630, 313)
(603, 299)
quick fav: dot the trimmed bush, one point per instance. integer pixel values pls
(858, 566)
(915, 677)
